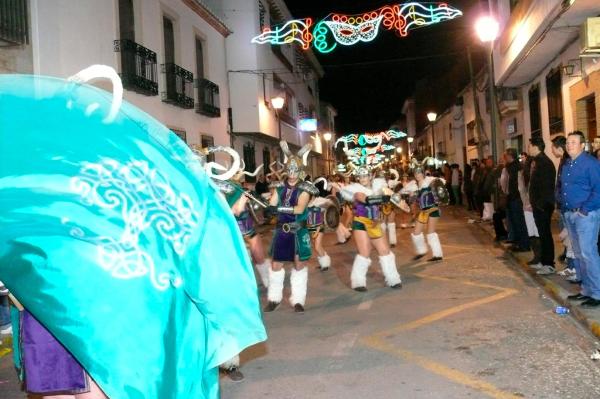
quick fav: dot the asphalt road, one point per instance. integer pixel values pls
(472, 326)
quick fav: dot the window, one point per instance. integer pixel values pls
(208, 141)
(139, 70)
(179, 81)
(126, 20)
(249, 160)
(169, 41)
(554, 95)
(199, 59)
(14, 26)
(181, 134)
(287, 112)
(535, 117)
(266, 153)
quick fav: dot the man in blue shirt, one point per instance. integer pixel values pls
(580, 202)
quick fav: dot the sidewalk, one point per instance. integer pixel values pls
(555, 285)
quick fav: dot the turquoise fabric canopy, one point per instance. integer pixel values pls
(113, 237)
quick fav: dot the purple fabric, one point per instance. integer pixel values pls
(366, 211)
(246, 225)
(315, 216)
(49, 368)
(284, 246)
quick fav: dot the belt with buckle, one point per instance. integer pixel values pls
(291, 227)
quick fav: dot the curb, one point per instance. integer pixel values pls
(558, 293)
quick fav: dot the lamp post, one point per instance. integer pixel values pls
(277, 103)
(410, 140)
(487, 29)
(327, 137)
(431, 117)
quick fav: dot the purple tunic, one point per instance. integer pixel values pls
(49, 368)
(366, 211)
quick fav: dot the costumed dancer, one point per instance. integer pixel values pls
(241, 207)
(111, 201)
(342, 231)
(315, 224)
(367, 197)
(243, 204)
(428, 192)
(388, 211)
(291, 240)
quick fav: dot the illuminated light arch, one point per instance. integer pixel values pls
(348, 30)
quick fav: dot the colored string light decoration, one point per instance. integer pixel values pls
(348, 30)
(364, 139)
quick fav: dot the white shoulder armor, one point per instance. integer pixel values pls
(410, 187)
(378, 184)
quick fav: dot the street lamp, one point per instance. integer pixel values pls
(487, 29)
(277, 103)
(327, 137)
(431, 117)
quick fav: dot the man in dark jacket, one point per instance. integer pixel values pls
(542, 175)
(514, 209)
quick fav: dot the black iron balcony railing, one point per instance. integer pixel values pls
(179, 86)
(14, 27)
(208, 98)
(138, 67)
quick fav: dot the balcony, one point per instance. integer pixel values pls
(14, 28)
(508, 100)
(179, 86)
(138, 67)
(208, 98)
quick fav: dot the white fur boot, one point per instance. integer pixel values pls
(419, 243)
(324, 262)
(390, 272)
(263, 272)
(392, 233)
(298, 283)
(436, 248)
(275, 290)
(358, 277)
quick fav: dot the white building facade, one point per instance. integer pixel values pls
(170, 55)
(547, 76)
(258, 73)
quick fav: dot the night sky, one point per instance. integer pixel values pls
(368, 82)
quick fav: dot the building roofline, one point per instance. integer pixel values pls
(204, 12)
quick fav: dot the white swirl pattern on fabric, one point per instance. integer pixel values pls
(145, 200)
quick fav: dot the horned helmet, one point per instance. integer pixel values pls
(236, 171)
(294, 164)
(419, 167)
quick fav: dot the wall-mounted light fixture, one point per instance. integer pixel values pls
(569, 68)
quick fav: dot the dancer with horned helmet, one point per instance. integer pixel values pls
(388, 211)
(240, 202)
(367, 197)
(230, 186)
(317, 209)
(291, 240)
(428, 192)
